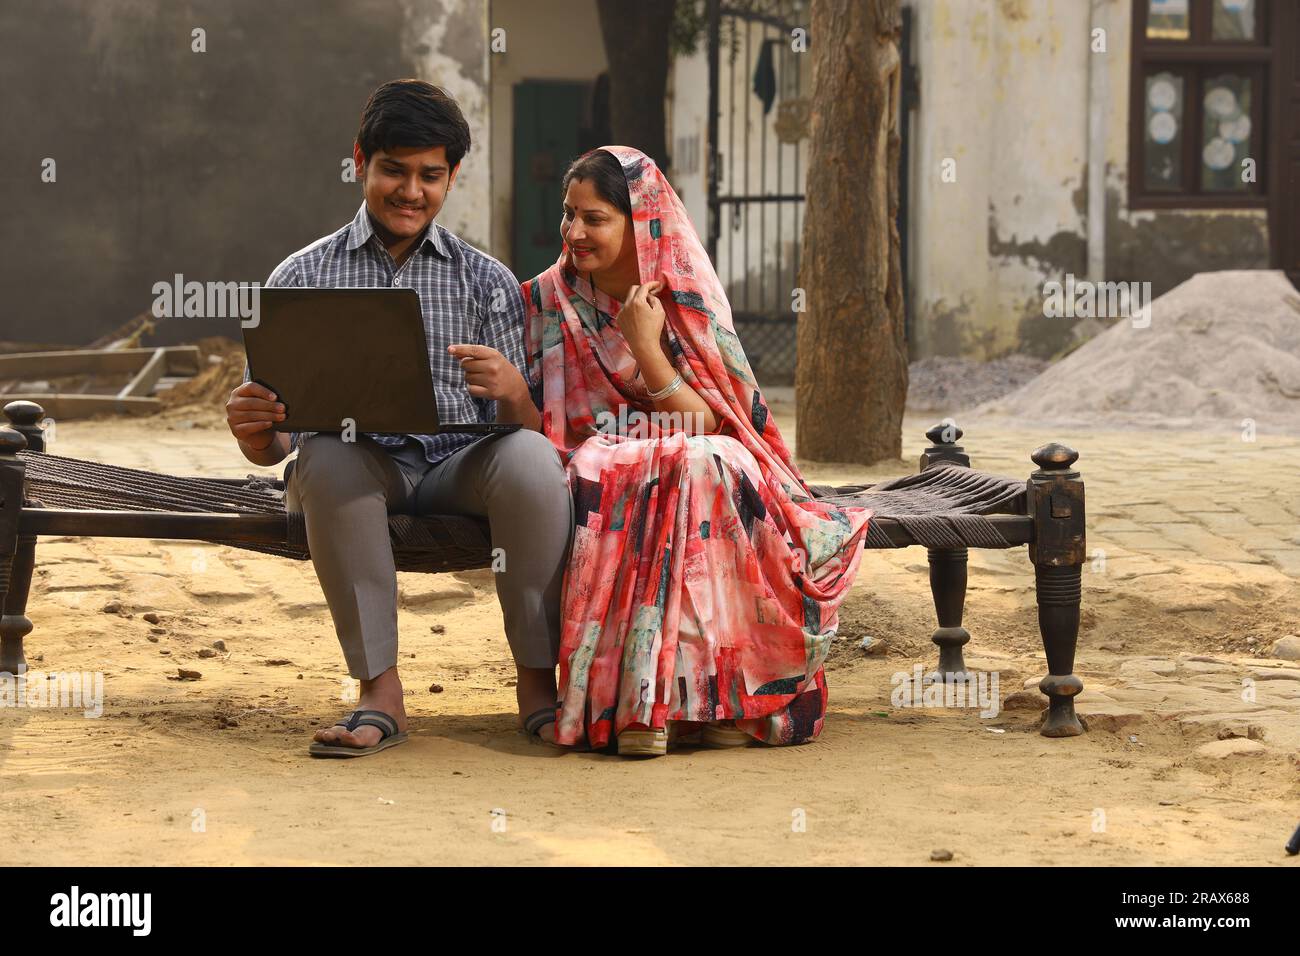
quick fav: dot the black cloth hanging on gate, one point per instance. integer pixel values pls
(765, 75)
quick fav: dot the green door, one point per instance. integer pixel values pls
(548, 125)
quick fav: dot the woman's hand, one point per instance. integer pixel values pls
(642, 318)
(643, 322)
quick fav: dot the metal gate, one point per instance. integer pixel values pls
(760, 86)
(759, 111)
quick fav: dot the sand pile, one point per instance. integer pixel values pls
(1220, 348)
(945, 384)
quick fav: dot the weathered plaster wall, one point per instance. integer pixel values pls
(1003, 86)
(446, 41)
(215, 165)
(688, 133)
(1004, 92)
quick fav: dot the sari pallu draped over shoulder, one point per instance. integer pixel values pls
(704, 581)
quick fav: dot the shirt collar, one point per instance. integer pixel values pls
(360, 231)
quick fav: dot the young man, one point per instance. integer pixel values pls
(408, 152)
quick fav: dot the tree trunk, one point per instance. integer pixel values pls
(851, 376)
(636, 39)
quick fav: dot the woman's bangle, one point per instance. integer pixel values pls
(668, 389)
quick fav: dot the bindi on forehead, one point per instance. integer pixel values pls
(583, 197)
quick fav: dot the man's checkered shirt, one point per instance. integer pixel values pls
(465, 296)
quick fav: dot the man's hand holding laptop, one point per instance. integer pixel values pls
(251, 413)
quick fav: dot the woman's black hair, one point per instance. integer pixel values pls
(413, 113)
(603, 170)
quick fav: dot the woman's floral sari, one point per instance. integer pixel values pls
(704, 581)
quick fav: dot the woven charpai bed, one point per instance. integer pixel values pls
(947, 507)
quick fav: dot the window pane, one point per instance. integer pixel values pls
(1233, 20)
(1162, 163)
(1225, 133)
(1168, 20)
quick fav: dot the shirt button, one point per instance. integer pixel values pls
(394, 280)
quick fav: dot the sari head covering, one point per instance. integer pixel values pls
(704, 581)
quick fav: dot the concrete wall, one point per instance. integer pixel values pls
(1004, 93)
(215, 165)
(688, 133)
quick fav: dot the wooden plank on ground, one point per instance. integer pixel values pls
(182, 360)
(28, 365)
(147, 377)
(64, 406)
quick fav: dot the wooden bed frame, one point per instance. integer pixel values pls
(1048, 517)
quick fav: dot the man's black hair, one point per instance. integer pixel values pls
(413, 113)
(603, 170)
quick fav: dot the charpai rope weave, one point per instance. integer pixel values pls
(941, 507)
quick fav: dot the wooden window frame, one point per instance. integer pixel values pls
(1196, 58)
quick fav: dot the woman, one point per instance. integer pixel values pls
(704, 582)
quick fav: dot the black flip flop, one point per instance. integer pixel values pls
(391, 736)
(538, 719)
(534, 723)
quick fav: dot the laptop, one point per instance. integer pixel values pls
(334, 355)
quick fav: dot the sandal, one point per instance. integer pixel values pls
(534, 723)
(390, 735)
(638, 740)
(719, 734)
(538, 719)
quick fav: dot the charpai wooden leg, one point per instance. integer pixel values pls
(1055, 502)
(947, 565)
(17, 551)
(13, 624)
(1058, 591)
(948, 587)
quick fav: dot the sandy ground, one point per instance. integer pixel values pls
(1192, 756)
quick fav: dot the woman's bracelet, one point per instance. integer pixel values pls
(668, 389)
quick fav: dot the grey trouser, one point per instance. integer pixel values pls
(346, 490)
